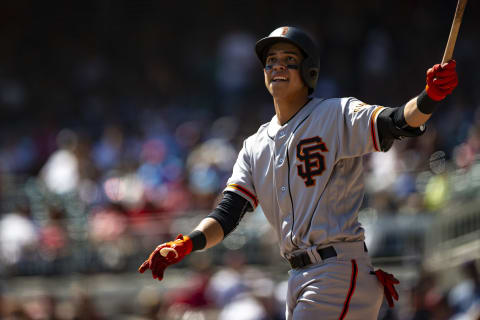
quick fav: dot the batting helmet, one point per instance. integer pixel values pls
(310, 65)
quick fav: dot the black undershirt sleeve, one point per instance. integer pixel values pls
(230, 211)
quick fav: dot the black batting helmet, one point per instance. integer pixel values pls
(310, 65)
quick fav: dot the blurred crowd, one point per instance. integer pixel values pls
(237, 290)
(120, 119)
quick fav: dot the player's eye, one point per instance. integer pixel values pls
(292, 59)
(271, 60)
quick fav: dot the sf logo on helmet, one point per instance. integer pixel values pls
(313, 162)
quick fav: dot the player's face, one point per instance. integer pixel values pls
(282, 70)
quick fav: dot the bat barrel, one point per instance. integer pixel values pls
(452, 38)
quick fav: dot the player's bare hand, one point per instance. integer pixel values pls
(441, 80)
(165, 255)
(388, 281)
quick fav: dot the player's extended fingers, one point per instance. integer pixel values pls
(155, 272)
(389, 299)
(144, 266)
(160, 275)
(390, 288)
(392, 291)
(155, 256)
(159, 270)
(393, 279)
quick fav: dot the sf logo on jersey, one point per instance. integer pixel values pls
(313, 162)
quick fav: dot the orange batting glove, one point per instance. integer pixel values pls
(441, 80)
(165, 255)
(388, 281)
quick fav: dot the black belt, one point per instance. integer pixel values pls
(302, 259)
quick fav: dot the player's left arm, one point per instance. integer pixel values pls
(441, 81)
(408, 120)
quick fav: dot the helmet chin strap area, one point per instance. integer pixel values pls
(289, 66)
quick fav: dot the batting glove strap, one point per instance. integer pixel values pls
(388, 281)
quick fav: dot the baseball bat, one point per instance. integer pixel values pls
(452, 37)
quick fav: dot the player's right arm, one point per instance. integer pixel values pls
(209, 232)
(236, 201)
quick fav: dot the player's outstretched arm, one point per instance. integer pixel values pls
(207, 234)
(211, 231)
(441, 81)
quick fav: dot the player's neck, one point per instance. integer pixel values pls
(286, 107)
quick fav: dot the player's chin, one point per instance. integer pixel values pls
(279, 83)
(279, 87)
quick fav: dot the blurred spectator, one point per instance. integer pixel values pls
(466, 294)
(107, 151)
(18, 233)
(53, 244)
(108, 235)
(61, 172)
(226, 284)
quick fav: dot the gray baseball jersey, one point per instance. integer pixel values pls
(307, 174)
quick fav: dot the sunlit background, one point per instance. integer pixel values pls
(120, 122)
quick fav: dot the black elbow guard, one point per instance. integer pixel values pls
(392, 126)
(230, 211)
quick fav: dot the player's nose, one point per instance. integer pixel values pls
(278, 68)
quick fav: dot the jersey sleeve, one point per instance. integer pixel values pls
(358, 132)
(241, 181)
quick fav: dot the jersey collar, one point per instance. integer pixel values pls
(289, 126)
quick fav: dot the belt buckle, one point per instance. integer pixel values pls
(299, 260)
(294, 260)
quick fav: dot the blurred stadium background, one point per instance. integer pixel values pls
(120, 122)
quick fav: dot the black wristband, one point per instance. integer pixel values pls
(199, 241)
(425, 104)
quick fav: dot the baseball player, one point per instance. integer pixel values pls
(305, 168)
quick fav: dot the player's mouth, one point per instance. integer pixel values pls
(279, 79)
